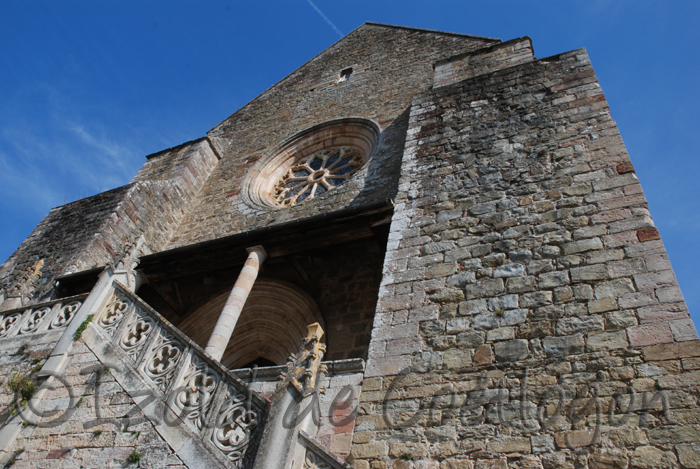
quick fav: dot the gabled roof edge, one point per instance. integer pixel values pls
(435, 31)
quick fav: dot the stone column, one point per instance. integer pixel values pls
(234, 304)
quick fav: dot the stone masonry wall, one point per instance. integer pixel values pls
(483, 61)
(95, 231)
(63, 233)
(161, 195)
(83, 440)
(349, 283)
(390, 65)
(528, 315)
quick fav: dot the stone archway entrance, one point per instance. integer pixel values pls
(271, 327)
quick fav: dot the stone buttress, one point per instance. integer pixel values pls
(528, 314)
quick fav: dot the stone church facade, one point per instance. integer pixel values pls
(418, 250)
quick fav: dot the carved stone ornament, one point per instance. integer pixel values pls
(8, 322)
(317, 174)
(129, 261)
(311, 164)
(65, 315)
(34, 320)
(194, 395)
(235, 426)
(314, 461)
(304, 368)
(136, 334)
(163, 359)
(114, 312)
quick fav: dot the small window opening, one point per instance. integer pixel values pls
(260, 362)
(345, 74)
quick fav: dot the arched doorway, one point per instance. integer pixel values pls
(271, 327)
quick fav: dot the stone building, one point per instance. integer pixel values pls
(444, 234)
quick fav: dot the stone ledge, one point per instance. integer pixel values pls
(272, 373)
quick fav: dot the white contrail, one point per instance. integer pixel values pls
(325, 18)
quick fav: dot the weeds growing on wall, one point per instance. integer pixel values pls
(82, 327)
(20, 383)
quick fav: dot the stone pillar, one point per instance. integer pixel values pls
(234, 304)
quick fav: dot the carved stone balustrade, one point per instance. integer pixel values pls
(52, 316)
(213, 405)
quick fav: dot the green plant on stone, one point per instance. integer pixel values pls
(36, 360)
(20, 383)
(80, 401)
(134, 457)
(12, 461)
(500, 312)
(82, 327)
(37, 368)
(97, 432)
(407, 457)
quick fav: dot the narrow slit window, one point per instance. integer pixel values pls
(345, 74)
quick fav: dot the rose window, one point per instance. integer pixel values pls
(317, 173)
(312, 163)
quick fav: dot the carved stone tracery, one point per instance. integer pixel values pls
(317, 174)
(314, 461)
(163, 359)
(65, 315)
(114, 313)
(158, 353)
(136, 334)
(8, 322)
(194, 395)
(34, 320)
(311, 163)
(235, 426)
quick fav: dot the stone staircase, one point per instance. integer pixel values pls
(208, 415)
(204, 412)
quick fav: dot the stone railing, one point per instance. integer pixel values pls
(44, 317)
(216, 406)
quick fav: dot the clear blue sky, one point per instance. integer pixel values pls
(88, 88)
